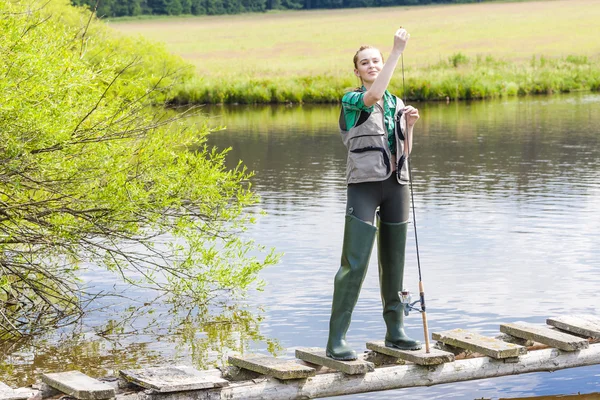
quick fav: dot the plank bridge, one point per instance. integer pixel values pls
(458, 355)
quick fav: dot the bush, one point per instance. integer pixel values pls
(94, 173)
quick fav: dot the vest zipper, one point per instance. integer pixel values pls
(387, 157)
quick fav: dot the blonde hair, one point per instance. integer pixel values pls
(364, 47)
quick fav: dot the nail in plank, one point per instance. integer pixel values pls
(316, 355)
(478, 343)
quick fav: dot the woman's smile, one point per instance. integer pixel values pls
(369, 64)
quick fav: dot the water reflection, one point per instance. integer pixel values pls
(589, 396)
(506, 199)
(129, 335)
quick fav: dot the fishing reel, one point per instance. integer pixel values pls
(407, 303)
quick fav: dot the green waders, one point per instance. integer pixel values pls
(359, 237)
(391, 245)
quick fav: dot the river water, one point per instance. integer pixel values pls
(507, 204)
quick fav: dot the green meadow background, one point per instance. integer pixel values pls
(456, 51)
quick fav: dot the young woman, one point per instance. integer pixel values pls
(377, 129)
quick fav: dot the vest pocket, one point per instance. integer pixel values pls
(368, 154)
(367, 162)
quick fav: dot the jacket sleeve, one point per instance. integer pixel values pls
(352, 105)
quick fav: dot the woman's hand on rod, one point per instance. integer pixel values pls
(411, 114)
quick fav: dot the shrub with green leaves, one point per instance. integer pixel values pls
(95, 172)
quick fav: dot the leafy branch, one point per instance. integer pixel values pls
(97, 174)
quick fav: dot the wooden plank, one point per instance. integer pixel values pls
(5, 388)
(392, 377)
(481, 344)
(276, 367)
(79, 385)
(379, 359)
(316, 355)
(8, 393)
(420, 357)
(173, 379)
(541, 334)
(584, 325)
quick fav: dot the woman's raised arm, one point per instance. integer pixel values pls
(376, 91)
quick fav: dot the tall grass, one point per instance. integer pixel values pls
(478, 79)
(460, 51)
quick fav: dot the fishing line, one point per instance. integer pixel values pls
(412, 198)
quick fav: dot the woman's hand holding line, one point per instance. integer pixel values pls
(400, 39)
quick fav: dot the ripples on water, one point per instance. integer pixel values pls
(507, 204)
(506, 198)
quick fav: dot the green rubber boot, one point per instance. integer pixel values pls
(359, 237)
(391, 245)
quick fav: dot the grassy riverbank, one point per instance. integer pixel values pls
(456, 51)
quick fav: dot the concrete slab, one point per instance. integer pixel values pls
(478, 343)
(173, 379)
(271, 366)
(421, 357)
(545, 335)
(316, 355)
(582, 324)
(79, 385)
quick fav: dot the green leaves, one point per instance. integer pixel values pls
(95, 170)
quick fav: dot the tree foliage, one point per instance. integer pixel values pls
(119, 8)
(95, 173)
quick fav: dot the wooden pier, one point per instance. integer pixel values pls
(459, 355)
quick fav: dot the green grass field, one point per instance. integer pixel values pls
(298, 48)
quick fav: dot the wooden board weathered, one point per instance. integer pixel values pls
(79, 385)
(271, 366)
(545, 335)
(478, 343)
(8, 393)
(173, 379)
(584, 325)
(379, 359)
(316, 355)
(420, 357)
(332, 384)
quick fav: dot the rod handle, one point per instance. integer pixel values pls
(426, 330)
(424, 314)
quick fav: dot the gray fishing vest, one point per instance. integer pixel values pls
(369, 156)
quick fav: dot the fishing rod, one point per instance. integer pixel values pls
(405, 296)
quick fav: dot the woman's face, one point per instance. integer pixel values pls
(368, 65)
